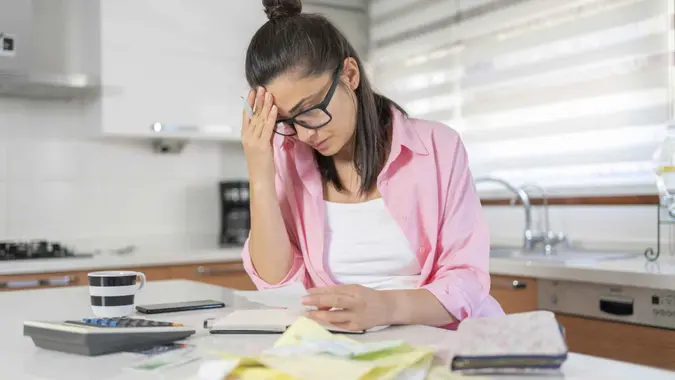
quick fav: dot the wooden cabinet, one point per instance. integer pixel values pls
(514, 294)
(177, 63)
(229, 275)
(42, 280)
(620, 341)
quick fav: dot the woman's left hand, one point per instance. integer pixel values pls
(359, 307)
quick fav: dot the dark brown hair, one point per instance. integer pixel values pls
(291, 40)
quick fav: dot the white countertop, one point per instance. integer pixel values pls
(21, 360)
(635, 271)
(626, 272)
(111, 261)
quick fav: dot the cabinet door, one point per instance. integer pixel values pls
(153, 273)
(228, 275)
(174, 62)
(42, 280)
(620, 341)
(514, 294)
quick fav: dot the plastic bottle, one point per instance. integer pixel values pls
(664, 162)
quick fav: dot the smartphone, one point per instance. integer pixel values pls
(179, 306)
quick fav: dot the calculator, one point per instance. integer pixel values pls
(98, 336)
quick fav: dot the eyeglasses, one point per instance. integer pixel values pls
(312, 118)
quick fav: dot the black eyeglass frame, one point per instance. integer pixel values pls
(323, 106)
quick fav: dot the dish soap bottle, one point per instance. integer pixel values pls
(664, 160)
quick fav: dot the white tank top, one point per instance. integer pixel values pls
(365, 246)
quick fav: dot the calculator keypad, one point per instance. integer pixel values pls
(123, 322)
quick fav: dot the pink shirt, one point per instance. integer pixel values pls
(428, 188)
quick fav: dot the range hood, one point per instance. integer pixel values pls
(49, 48)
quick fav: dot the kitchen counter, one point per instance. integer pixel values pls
(21, 360)
(636, 271)
(632, 271)
(113, 261)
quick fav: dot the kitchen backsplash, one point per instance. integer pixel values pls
(626, 228)
(59, 181)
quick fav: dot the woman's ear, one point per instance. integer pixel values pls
(351, 73)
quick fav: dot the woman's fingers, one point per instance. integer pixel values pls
(344, 319)
(256, 125)
(268, 129)
(257, 103)
(263, 117)
(326, 300)
(332, 317)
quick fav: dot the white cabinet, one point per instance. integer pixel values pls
(178, 63)
(349, 16)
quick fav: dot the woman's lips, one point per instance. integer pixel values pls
(321, 146)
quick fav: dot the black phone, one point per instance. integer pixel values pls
(179, 306)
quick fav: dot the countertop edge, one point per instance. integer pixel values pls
(225, 255)
(586, 274)
(631, 274)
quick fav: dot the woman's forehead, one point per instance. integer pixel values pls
(289, 89)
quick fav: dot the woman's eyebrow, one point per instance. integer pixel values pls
(302, 101)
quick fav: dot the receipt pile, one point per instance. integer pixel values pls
(308, 351)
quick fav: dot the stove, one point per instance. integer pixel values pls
(36, 249)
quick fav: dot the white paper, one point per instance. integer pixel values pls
(217, 369)
(284, 297)
(287, 296)
(254, 319)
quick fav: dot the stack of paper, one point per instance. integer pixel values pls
(308, 351)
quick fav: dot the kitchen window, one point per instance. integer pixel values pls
(571, 95)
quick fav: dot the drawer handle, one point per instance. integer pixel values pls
(54, 281)
(515, 285)
(207, 271)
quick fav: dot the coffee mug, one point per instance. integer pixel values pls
(112, 292)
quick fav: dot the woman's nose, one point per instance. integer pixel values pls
(306, 135)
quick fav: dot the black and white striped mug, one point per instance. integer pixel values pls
(112, 293)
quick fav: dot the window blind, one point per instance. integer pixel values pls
(571, 95)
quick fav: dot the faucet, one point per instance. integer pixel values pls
(550, 239)
(529, 238)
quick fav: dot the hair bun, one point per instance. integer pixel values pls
(275, 9)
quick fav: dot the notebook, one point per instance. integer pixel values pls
(521, 342)
(264, 321)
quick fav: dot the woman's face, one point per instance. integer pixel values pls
(294, 93)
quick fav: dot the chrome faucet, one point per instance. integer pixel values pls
(550, 239)
(529, 238)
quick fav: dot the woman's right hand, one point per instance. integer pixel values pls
(257, 132)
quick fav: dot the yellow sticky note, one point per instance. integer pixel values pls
(388, 365)
(260, 373)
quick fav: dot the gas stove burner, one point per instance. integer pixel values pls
(35, 249)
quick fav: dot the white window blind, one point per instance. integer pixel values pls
(572, 95)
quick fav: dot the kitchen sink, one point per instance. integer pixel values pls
(561, 256)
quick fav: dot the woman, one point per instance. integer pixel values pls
(374, 212)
